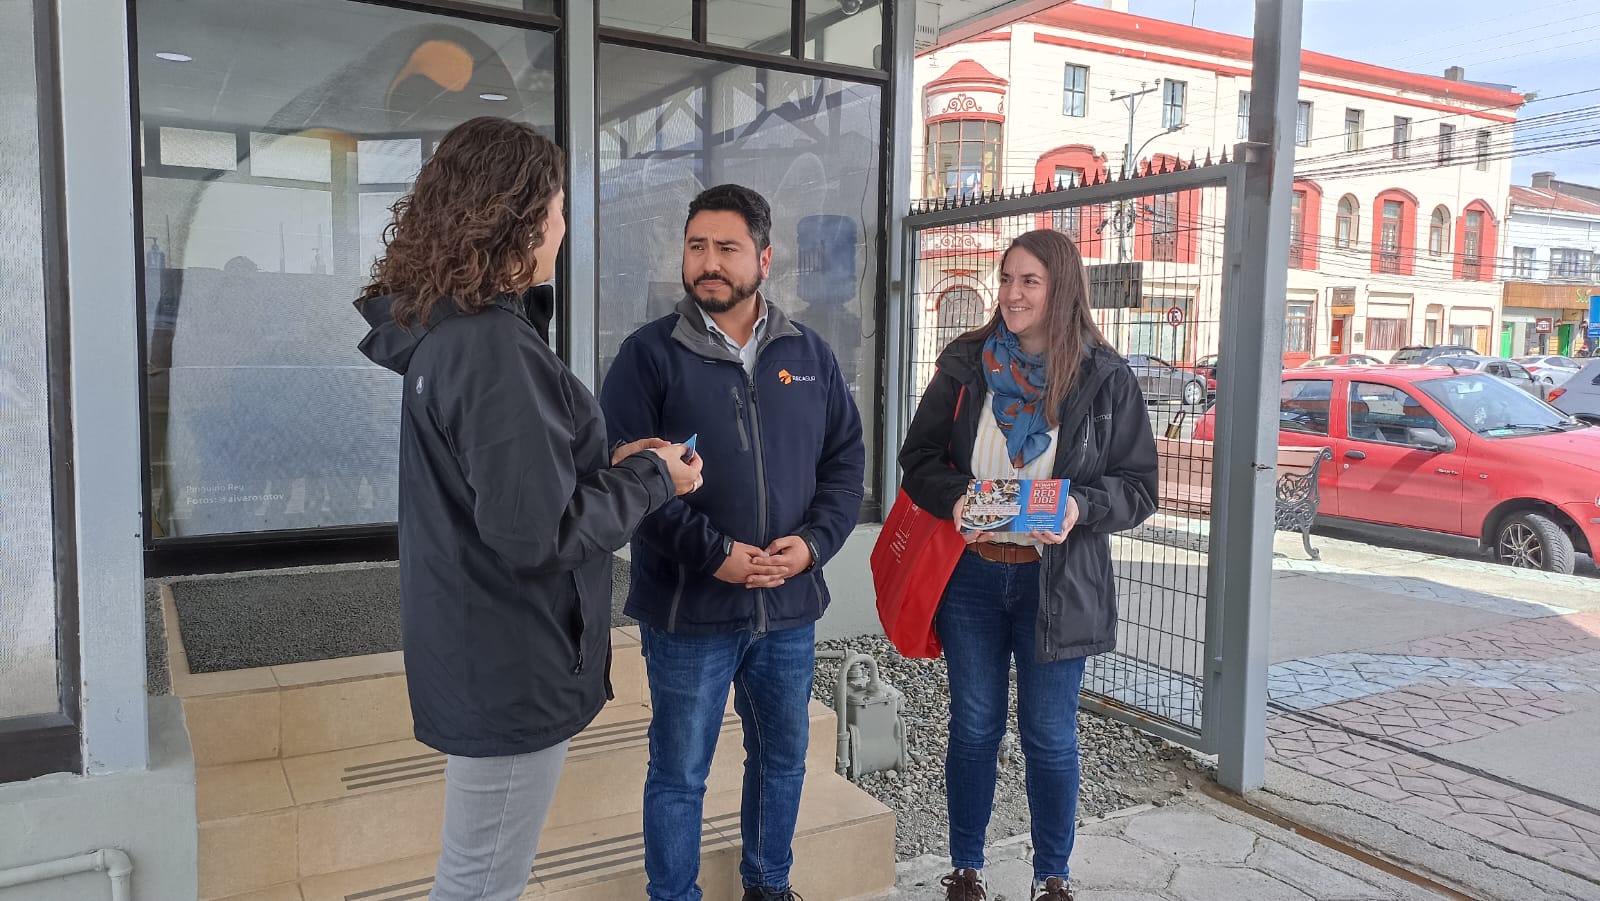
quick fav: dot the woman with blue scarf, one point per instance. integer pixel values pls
(1037, 393)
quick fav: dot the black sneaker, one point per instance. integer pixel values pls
(1054, 889)
(754, 893)
(964, 885)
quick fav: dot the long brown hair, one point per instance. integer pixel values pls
(1069, 329)
(467, 230)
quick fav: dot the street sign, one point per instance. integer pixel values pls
(1543, 325)
(1175, 317)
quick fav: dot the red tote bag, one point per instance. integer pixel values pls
(911, 563)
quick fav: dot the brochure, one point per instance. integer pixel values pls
(1015, 505)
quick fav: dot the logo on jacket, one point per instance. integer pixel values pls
(789, 378)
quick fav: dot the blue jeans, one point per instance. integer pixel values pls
(689, 678)
(985, 620)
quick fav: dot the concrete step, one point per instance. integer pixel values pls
(266, 822)
(843, 848)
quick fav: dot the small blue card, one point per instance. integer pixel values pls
(1015, 505)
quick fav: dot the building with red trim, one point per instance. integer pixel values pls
(1401, 179)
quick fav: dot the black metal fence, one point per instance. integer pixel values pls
(1154, 248)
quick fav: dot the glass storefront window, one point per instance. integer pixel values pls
(542, 7)
(811, 145)
(275, 139)
(28, 650)
(668, 18)
(849, 32)
(763, 25)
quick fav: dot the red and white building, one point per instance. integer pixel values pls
(1401, 177)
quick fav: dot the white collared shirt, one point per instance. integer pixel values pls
(747, 352)
(991, 459)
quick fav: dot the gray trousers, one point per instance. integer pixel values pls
(494, 810)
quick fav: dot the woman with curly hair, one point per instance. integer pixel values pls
(511, 500)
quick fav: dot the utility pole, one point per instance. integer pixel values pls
(1127, 212)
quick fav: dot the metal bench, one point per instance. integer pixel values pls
(1295, 507)
(1186, 475)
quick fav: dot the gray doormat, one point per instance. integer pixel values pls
(274, 619)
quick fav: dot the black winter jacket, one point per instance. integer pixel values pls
(1105, 447)
(509, 514)
(783, 456)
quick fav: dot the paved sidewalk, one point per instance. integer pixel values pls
(1193, 849)
(1429, 706)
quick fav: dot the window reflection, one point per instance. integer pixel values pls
(270, 165)
(28, 658)
(809, 144)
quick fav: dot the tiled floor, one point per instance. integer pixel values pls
(1375, 723)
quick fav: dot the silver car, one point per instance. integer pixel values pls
(1579, 395)
(1510, 370)
(1551, 369)
(1162, 381)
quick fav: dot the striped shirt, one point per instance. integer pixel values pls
(990, 460)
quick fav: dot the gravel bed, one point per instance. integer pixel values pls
(1121, 766)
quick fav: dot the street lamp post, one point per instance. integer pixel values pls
(1127, 211)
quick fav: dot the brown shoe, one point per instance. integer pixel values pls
(964, 885)
(1054, 889)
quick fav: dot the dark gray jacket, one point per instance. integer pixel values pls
(1105, 447)
(509, 514)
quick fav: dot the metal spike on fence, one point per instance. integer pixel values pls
(1191, 160)
(1208, 157)
(1224, 159)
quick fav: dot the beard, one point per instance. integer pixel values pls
(742, 291)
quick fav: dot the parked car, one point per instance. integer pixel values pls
(1340, 360)
(1206, 368)
(1551, 369)
(1422, 353)
(1459, 452)
(1163, 381)
(1580, 394)
(1510, 370)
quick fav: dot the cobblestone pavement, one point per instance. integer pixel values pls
(1379, 723)
(1193, 849)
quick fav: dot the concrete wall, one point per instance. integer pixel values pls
(150, 814)
(854, 608)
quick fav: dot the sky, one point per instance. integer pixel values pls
(1551, 47)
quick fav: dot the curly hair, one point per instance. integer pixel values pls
(467, 229)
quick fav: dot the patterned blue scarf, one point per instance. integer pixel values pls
(1017, 380)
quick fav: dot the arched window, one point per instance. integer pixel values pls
(1476, 239)
(961, 310)
(1069, 166)
(1167, 229)
(1439, 233)
(1348, 228)
(1305, 220)
(1394, 246)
